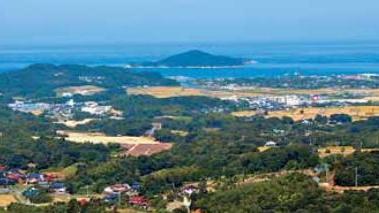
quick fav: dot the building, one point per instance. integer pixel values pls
(58, 187)
(270, 144)
(117, 188)
(140, 201)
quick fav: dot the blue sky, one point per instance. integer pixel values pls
(113, 21)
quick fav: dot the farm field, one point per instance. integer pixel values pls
(7, 199)
(137, 150)
(341, 150)
(357, 112)
(96, 137)
(79, 90)
(167, 92)
(132, 146)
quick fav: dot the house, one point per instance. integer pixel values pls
(136, 186)
(50, 177)
(140, 201)
(43, 185)
(117, 188)
(112, 198)
(270, 144)
(2, 168)
(58, 187)
(31, 192)
(34, 178)
(15, 175)
(190, 189)
(83, 201)
(6, 182)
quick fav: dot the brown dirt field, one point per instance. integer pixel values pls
(341, 150)
(342, 189)
(165, 92)
(80, 90)
(357, 112)
(168, 92)
(134, 146)
(244, 113)
(6, 200)
(83, 137)
(145, 149)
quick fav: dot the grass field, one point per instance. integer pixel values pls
(334, 150)
(327, 91)
(63, 173)
(6, 200)
(357, 112)
(79, 90)
(83, 137)
(341, 150)
(166, 92)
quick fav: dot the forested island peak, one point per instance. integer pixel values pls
(197, 59)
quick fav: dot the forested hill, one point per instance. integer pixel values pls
(197, 58)
(41, 79)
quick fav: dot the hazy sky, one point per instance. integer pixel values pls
(110, 21)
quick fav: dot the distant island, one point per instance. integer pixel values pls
(196, 59)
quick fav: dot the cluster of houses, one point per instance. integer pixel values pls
(37, 181)
(62, 111)
(94, 108)
(114, 193)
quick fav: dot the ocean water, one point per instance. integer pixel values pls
(273, 59)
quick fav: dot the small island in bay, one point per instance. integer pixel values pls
(196, 59)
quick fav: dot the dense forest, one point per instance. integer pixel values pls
(18, 147)
(292, 193)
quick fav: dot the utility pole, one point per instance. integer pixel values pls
(119, 199)
(356, 176)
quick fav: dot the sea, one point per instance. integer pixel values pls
(272, 59)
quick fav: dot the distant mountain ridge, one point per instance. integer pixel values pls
(196, 58)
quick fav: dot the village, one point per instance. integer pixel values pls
(64, 111)
(42, 188)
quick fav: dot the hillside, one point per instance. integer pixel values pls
(42, 79)
(197, 58)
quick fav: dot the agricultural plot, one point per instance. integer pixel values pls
(7, 199)
(357, 112)
(341, 150)
(96, 137)
(133, 146)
